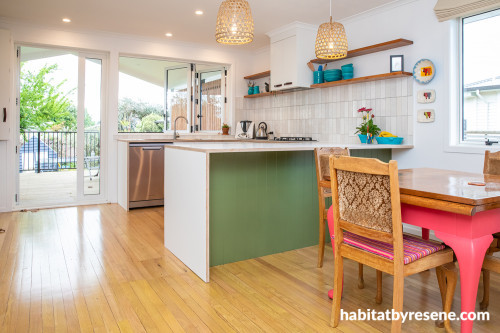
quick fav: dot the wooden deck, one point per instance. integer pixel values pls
(99, 268)
(58, 187)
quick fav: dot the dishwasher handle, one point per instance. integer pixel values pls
(152, 148)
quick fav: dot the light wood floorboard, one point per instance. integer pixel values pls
(101, 269)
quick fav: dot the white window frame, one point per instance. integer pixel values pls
(459, 134)
(226, 117)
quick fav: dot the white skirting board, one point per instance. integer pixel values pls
(186, 208)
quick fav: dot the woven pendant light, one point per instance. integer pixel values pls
(234, 23)
(331, 40)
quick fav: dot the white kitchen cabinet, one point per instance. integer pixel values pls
(6, 51)
(292, 47)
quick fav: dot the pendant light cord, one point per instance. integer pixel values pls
(330, 8)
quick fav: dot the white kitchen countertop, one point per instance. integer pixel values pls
(234, 147)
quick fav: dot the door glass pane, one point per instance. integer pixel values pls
(48, 121)
(211, 101)
(92, 125)
(177, 97)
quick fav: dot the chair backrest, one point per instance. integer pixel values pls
(322, 157)
(366, 200)
(491, 163)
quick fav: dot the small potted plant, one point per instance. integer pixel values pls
(225, 129)
(367, 130)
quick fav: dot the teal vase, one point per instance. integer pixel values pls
(250, 90)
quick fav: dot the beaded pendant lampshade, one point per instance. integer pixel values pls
(234, 23)
(331, 40)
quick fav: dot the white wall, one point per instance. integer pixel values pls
(415, 20)
(115, 44)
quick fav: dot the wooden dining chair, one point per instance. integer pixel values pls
(322, 156)
(366, 210)
(492, 168)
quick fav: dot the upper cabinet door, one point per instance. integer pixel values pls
(6, 113)
(292, 46)
(283, 63)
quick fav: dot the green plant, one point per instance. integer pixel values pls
(367, 126)
(225, 126)
(43, 102)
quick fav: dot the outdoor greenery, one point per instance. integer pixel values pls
(139, 116)
(43, 105)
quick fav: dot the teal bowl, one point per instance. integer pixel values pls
(347, 76)
(389, 141)
(333, 71)
(332, 75)
(330, 79)
(347, 70)
(346, 66)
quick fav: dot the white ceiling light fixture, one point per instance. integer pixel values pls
(168, 34)
(66, 20)
(234, 23)
(331, 40)
(199, 12)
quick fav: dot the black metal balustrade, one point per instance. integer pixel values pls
(53, 151)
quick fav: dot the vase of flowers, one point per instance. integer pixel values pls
(250, 87)
(225, 129)
(367, 129)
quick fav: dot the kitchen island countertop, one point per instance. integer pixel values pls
(245, 146)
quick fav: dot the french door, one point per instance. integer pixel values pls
(210, 88)
(61, 126)
(197, 95)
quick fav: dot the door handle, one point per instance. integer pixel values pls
(199, 116)
(152, 148)
(277, 85)
(4, 115)
(287, 83)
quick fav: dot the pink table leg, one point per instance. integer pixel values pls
(468, 236)
(425, 233)
(470, 254)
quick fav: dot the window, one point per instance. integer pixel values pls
(153, 93)
(480, 111)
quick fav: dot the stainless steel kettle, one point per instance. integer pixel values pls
(262, 131)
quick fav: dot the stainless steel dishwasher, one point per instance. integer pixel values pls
(146, 165)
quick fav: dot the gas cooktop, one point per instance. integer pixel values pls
(294, 138)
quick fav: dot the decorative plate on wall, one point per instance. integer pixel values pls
(426, 116)
(424, 71)
(426, 96)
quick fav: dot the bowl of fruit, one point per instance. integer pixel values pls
(386, 138)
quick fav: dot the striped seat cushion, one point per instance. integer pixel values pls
(414, 247)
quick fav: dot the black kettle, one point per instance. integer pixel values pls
(262, 131)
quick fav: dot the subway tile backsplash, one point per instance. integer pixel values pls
(330, 114)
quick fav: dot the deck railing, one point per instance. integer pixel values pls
(52, 151)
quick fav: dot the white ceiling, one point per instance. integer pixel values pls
(154, 18)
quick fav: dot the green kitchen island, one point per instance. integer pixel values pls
(226, 202)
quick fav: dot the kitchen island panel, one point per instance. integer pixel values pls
(186, 203)
(264, 202)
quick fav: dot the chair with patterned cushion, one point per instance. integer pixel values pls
(491, 168)
(366, 211)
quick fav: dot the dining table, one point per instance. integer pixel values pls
(463, 210)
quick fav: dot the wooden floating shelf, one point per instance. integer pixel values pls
(264, 94)
(258, 75)
(369, 49)
(378, 77)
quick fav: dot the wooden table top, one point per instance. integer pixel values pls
(450, 185)
(447, 190)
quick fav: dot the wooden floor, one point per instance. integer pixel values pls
(59, 187)
(98, 268)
